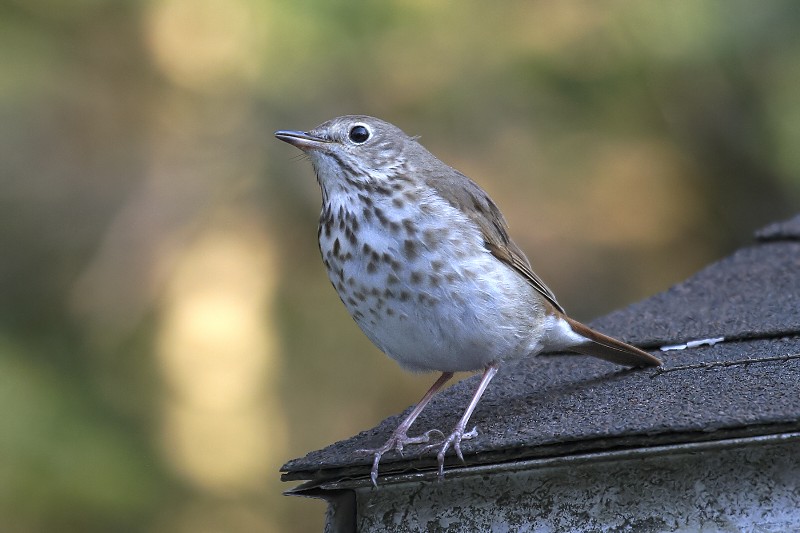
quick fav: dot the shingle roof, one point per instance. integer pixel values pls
(560, 404)
(754, 293)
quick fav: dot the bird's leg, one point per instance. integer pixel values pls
(400, 437)
(460, 433)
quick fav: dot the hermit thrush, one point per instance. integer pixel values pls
(422, 260)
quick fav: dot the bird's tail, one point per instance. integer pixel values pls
(608, 348)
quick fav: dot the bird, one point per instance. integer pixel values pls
(421, 258)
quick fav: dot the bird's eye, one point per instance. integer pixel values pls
(359, 134)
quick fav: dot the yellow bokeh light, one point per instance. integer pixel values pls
(204, 45)
(221, 427)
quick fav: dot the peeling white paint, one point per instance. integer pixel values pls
(692, 344)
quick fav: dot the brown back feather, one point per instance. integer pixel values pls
(465, 195)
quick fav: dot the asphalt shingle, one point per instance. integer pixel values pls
(785, 230)
(753, 293)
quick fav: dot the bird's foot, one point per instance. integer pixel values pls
(453, 440)
(397, 442)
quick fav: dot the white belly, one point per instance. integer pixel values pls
(431, 298)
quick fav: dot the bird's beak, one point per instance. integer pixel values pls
(301, 139)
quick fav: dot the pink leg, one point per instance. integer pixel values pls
(400, 436)
(458, 433)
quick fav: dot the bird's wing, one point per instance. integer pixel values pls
(511, 255)
(470, 199)
(473, 201)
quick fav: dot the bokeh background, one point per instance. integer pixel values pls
(168, 337)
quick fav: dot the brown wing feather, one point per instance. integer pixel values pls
(466, 195)
(518, 262)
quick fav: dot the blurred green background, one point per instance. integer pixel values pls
(168, 337)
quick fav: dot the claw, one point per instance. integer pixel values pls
(400, 437)
(460, 433)
(396, 442)
(457, 448)
(454, 440)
